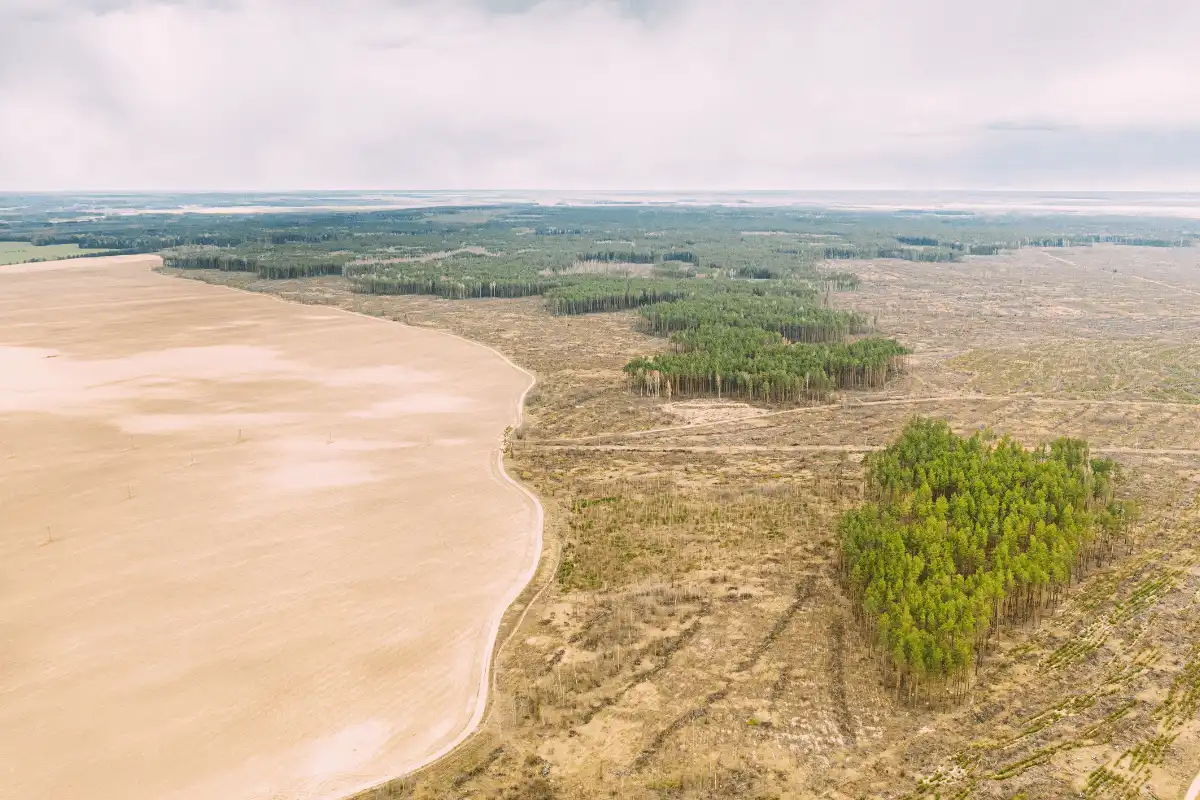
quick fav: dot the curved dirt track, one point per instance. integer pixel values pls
(249, 549)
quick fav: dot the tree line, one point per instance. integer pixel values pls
(834, 252)
(617, 256)
(567, 292)
(601, 295)
(270, 268)
(454, 286)
(795, 317)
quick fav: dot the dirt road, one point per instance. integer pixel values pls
(731, 449)
(754, 419)
(248, 549)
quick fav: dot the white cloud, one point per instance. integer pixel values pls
(568, 93)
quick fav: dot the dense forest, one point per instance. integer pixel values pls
(963, 536)
(616, 256)
(264, 266)
(747, 315)
(681, 255)
(794, 316)
(743, 294)
(600, 295)
(774, 343)
(455, 284)
(755, 365)
(934, 254)
(754, 242)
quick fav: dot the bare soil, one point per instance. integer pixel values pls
(249, 549)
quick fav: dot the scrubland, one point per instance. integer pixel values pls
(689, 633)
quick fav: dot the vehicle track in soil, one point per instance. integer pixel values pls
(896, 401)
(810, 448)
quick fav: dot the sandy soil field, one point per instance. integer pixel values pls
(248, 548)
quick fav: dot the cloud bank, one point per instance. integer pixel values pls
(600, 94)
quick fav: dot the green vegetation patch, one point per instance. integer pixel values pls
(757, 365)
(966, 534)
(598, 295)
(771, 342)
(683, 302)
(23, 252)
(264, 265)
(787, 310)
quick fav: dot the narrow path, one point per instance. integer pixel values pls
(893, 401)
(746, 448)
(803, 448)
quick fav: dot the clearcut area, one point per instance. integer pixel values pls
(248, 548)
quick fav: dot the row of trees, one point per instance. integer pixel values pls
(755, 365)
(756, 272)
(628, 257)
(211, 259)
(558, 231)
(142, 243)
(270, 268)
(466, 275)
(984, 249)
(453, 286)
(600, 295)
(794, 317)
(835, 280)
(766, 341)
(283, 269)
(904, 253)
(964, 535)
(565, 292)
(1081, 240)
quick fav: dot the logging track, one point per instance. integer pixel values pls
(891, 401)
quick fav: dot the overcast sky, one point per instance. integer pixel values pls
(599, 94)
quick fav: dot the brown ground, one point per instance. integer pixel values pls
(248, 549)
(689, 637)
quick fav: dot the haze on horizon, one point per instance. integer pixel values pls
(598, 94)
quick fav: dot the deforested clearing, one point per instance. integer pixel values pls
(249, 548)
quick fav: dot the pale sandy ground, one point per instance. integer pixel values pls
(295, 613)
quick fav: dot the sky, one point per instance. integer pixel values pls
(599, 94)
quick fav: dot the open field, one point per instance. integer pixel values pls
(249, 549)
(19, 252)
(692, 638)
